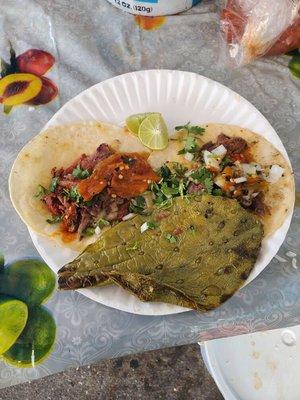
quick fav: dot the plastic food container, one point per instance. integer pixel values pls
(152, 8)
(257, 366)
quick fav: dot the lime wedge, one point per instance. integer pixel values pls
(36, 341)
(134, 121)
(153, 132)
(13, 317)
(29, 280)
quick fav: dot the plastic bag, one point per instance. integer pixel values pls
(254, 28)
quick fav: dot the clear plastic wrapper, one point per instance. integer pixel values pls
(254, 28)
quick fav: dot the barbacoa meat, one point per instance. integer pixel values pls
(233, 145)
(111, 179)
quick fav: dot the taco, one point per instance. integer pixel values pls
(73, 182)
(236, 163)
(46, 176)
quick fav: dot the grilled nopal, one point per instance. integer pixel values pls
(196, 253)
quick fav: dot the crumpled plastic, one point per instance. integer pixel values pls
(255, 28)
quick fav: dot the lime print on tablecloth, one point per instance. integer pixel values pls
(23, 81)
(27, 328)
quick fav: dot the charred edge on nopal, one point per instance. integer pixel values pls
(71, 282)
(245, 274)
(243, 252)
(224, 297)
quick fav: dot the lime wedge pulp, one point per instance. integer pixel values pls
(134, 121)
(36, 341)
(153, 132)
(13, 317)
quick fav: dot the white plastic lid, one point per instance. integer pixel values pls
(259, 366)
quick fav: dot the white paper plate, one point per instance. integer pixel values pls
(180, 97)
(258, 366)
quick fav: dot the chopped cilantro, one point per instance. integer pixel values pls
(181, 188)
(179, 169)
(137, 205)
(41, 192)
(132, 246)
(93, 201)
(91, 230)
(101, 222)
(201, 174)
(165, 172)
(191, 146)
(55, 219)
(53, 184)
(193, 129)
(208, 183)
(217, 192)
(170, 238)
(169, 191)
(173, 184)
(164, 203)
(226, 161)
(176, 183)
(152, 225)
(80, 173)
(88, 232)
(73, 194)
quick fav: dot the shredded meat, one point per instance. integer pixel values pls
(208, 146)
(102, 152)
(114, 179)
(89, 162)
(123, 209)
(233, 145)
(86, 220)
(71, 218)
(53, 203)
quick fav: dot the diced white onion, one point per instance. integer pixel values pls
(144, 227)
(206, 156)
(128, 216)
(249, 169)
(188, 173)
(189, 156)
(275, 173)
(255, 194)
(97, 230)
(219, 151)
(210, 160)
(258, 167)
(219, 181)
(240, 180)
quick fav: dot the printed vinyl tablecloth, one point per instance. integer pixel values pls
(92, 41)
